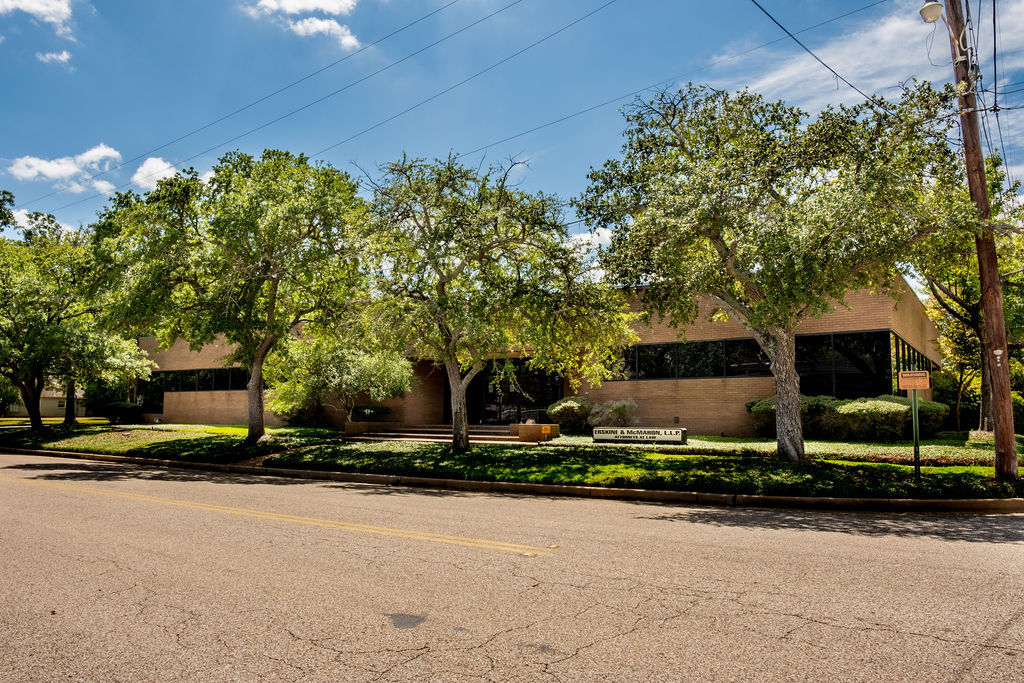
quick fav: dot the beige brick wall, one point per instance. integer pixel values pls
(180, 357)
(910, 321)
(210, 407)
(703, 406)
(710, 406)
(863, 310)
(424, 405)
(204, 407)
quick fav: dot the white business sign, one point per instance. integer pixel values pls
(639, 434)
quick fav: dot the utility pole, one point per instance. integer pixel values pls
(988, 268)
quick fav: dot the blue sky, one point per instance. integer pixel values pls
(93, 92)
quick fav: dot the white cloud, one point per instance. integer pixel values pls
(68, 171)
(95, 157)
(152, 170)
(34, 168)
(54, 12)
(313, 26)
(600, 237)
(282, 12)
(103, 186)
(72, 174)
(61, 57)
(206, 177)
(303, 6)
(876, 53)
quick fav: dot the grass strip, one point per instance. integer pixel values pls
(706, 464)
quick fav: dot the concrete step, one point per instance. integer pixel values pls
(447, 429)
(440, 436)
(434, 438)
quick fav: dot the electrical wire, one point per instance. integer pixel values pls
(312, 103)
(663, 82)
(996, 44)
(973, 49)
(466, 80)
(252, 104)
(809, 51)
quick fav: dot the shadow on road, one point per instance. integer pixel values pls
(91, 471)
(974, 528)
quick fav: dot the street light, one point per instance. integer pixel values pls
(931, 12)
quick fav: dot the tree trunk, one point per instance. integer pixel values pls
(781, 351)
(460, 417)
(31, 390)
(69, 404)
(254, 391)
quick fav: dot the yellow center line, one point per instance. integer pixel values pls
(295, 519)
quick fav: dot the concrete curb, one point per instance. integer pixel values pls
(976, 505)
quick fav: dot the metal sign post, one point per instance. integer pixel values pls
(912, 380)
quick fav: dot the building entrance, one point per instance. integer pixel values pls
(492, 399)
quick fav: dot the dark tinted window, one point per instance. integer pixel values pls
(656, 361)
(239, 379)
(700, 359)
(628, 369)
(221, 379)
(744, 357)
(814, 364)
(151, 393)
(204, 380)
(188, 380)
(863, 365)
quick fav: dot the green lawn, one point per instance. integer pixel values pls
(200, 443)
(23, 421)
(957, 469)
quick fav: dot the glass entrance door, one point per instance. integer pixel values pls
(493, 399)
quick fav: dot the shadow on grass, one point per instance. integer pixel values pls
(628, 468)
(973, 528)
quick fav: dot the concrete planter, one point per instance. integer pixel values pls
(534, 432)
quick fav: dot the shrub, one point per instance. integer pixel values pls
(1018, 411)
(615, 414)
(883, 418)
(817, 414)
(571, 414)
(370, 413)
(121, 412)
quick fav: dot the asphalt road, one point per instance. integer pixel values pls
(112, 572)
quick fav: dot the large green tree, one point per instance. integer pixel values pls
(324, 368)
(470, 268)
(949, 265)
(770, 215)
(262, 247)
(53, 288)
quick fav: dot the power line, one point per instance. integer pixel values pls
(995, 96)
(466, 80)
(811, 53)
(259, 100)
(314, 102)
(662, 82)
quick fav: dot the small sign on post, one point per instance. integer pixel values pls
(912, 380)
(545, 429)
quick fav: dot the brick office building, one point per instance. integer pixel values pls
(701, 383)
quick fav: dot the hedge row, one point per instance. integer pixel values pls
(883, 418)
